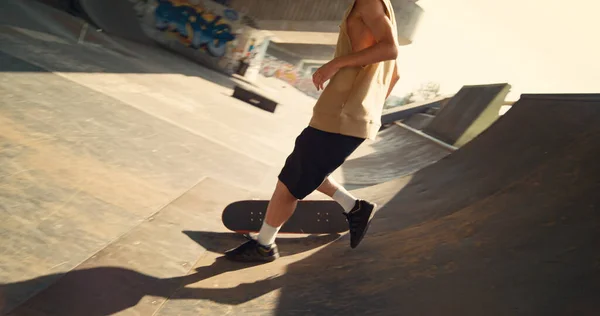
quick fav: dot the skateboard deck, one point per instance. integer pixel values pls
(310, 217)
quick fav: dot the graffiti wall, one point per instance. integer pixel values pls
(297, 76)
(204, 30)
(218, 37)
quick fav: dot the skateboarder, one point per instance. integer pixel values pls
(361, 77)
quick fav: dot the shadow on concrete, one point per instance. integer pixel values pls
(108, 290)
(95, 60)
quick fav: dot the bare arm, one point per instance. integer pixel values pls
(374, 17)
(386, 48)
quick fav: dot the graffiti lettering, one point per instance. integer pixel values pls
(298, 78)
(195, 26)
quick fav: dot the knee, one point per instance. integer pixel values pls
(284, 193)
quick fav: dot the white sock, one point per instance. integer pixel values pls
(345, 199)
(267, 234)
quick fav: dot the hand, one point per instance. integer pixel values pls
(325, 73)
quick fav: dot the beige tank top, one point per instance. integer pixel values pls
(352, 102)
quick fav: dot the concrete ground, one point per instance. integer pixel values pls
(94, 142)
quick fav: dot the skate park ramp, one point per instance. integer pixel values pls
(52, 25)
(399, 113)
(401, 149)
(398, 151)
(508, 224)
(36, 17)
(116, 17)
(472, 110)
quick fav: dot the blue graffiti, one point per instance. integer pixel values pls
(231, 14)
(192, 27)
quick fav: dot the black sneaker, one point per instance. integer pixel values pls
(252, 251)
(359, 219)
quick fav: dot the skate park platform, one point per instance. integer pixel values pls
(114, 171)
(395, 114)
(398, 151)
(401, 148)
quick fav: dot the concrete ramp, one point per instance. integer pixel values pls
(116, 17)
(468, 113)
(507, 225)
(406, 111)
(45, 23)
(399, 152)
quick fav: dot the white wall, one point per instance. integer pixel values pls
(537, 46)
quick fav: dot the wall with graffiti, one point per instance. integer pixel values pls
(220, 38)
(205, 30)
(295, 75)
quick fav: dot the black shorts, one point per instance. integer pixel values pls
(315, 156)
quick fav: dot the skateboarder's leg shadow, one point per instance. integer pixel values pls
(107, 290)
(244, 292)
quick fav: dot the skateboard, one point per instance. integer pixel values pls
(310, 217)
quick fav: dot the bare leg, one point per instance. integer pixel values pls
(331, 188)
(283, 204)
(358, 211)
(281, 207)
(279, 210)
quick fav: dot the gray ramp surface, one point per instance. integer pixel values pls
(463, 109)
(507, 225)
(116, 17)
(397, 153)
